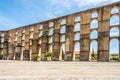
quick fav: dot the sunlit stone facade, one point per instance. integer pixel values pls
(72, 35)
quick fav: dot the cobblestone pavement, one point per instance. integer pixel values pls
(29, 70)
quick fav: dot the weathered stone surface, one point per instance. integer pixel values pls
(84, 55)
(40, 41)
(103, 55)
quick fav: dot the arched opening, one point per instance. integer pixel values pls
(32, 29)
(31, 35)
(94, 34)
(94, 50)
(51, 24)
(26, 55)
(94, 24)
(62, 52)
(2, 40)
(50, 48)
(114, 32)
(2, 35)
(63, 29)
(114, 20)
(94, 15)
(23, 37)
(77, 27)
(77, 50)
(51, 32)
(62, 38)
(77, 46)
(16, 33)
(77, 36)
(114, 11)
(41, 27)
(114, 50)
(23, 31)
(77, 19)
(63, 22)
(40, 33)
(50, 39)
(16, 38)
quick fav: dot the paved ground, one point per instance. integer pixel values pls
(29, 70)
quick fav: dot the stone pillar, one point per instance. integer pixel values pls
(17, 52)
(84, 42)
(119, 46)
(56, 45)
(103, 37)
(69, 43)
(85, 47)
(22, 51)
(103, 48)
(5, 50)
(10, 52)
(119, 38)
(39, 53)
(34, 48)
(44, 45)
(30, 53)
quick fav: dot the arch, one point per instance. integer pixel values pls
(114, 49)
(16, 38)
(50, 48)
(77, 36)
(31, 35)
(77, 27)
(63, 48)
(9, 40)
(94, 24)
(23, 31)
(94, 46)
(2, 39)
(77, 19)
(63, 29)
(51, 32)
(16, 33)
(63, 38)
(40, 33)
(10, 35)
(63, 21)
(94, 34)
(114, 10)
(3, 34)
(41, 27)
(114, 20)
(94, 15)
(50, 39)
(23, 37)
(94, 50)
(32, 29)
(26, 55)
(51, 24)
(114, 32)
(77, 46)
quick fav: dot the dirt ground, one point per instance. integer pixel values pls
(29, 70)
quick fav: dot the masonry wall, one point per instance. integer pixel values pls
(24, 42)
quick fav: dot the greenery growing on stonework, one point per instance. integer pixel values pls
(36, 56)
(114, 58)
(48, 55)
(63, 55)
(93, 56)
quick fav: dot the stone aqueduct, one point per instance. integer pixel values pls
(61, 35)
